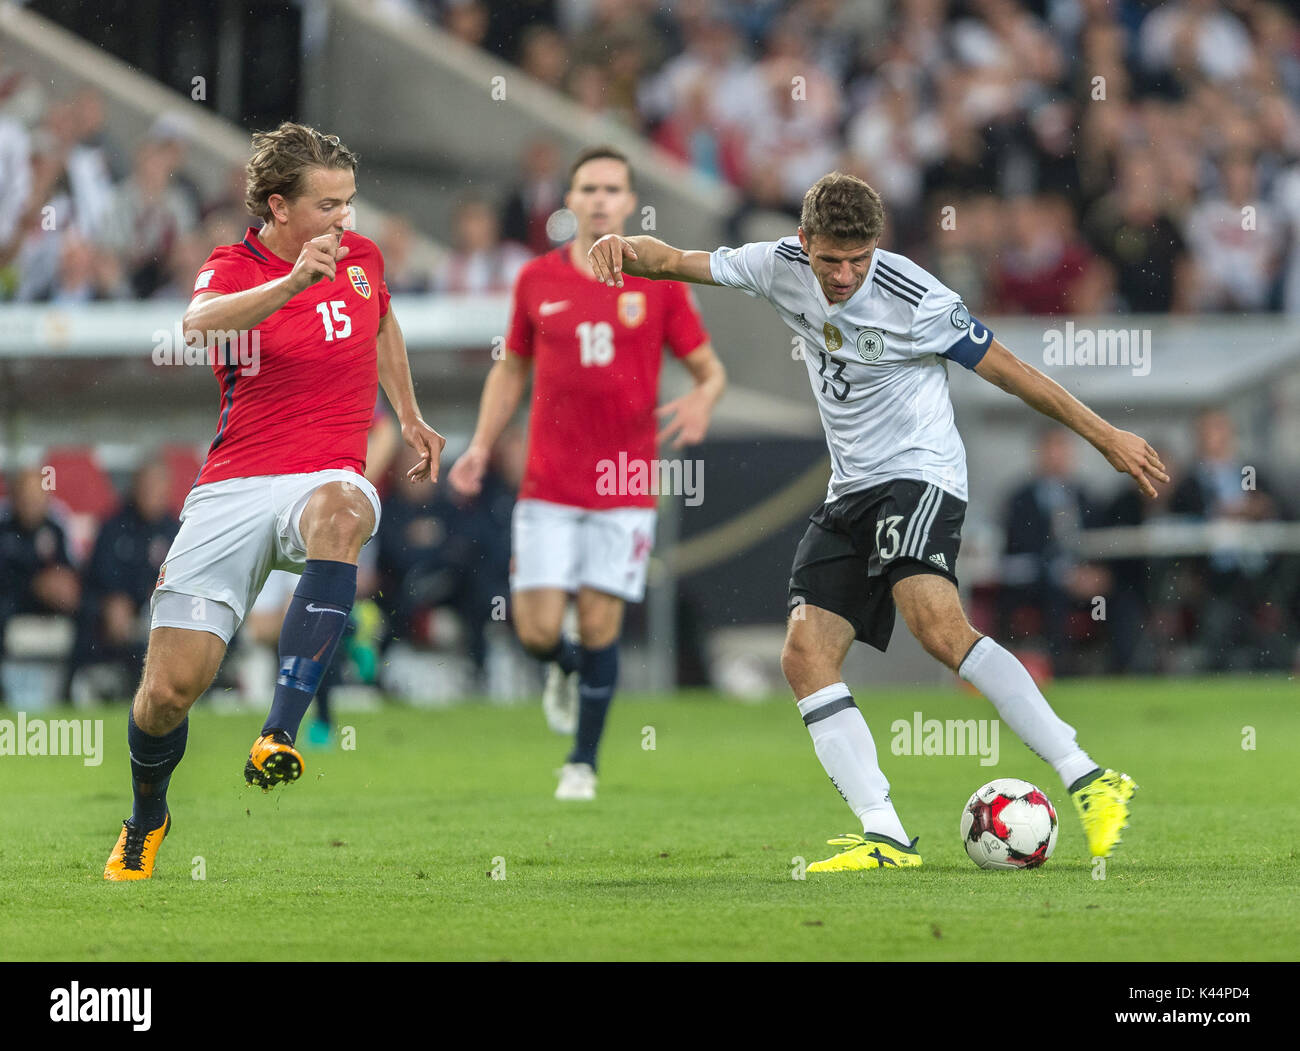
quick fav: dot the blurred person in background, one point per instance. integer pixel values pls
(544, 55)
(148, 216)
(1131, 229)
(1183, 40)
(120, 575)
(480, 261)
(87, 274)
(593, 355)
(690, 134)
(1236, 241)
(535, 197)
(403, 272)
(36, 575)
(1045, 267)
(1044, 580)
(1237, 620)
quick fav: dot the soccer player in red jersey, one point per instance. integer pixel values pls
(282, 486)
(594, 353)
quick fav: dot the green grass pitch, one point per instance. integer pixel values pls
(387, 851)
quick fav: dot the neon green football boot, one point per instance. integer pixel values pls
(868, 852)
(1102, 804)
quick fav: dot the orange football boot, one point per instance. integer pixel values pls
(273, 760)
(136, 851)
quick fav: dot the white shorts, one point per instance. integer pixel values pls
(557, 546)
(233, 533)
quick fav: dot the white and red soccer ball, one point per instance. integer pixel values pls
(1009, 824)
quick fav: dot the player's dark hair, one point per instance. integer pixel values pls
(597, 153)
(281, 160)
(843, 208)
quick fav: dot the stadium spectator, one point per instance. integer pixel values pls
(1237, 619)
(149, 214)
(538, 194)
(404, 274)
(1187, 39)
(1236, 242)
(544, 56)
(36, 575)
(1046, 268)
(1045, 584)
(690, 135)
(466, 20)
(120, 575)
(1133, 232)
(86, 274)
(480, 261)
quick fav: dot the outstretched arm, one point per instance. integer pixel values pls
(613, 256)
(1126, 452)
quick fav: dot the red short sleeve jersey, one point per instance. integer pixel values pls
(596, 354)
(298, 391)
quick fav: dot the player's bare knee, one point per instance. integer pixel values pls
(537, 639)
(801, 663)
(336, 522)
(163, 702)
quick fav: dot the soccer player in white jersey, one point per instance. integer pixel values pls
(887, 536)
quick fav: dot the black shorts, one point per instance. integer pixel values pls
(857, 547)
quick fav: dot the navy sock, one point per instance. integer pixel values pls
(596, 681)
(152, 761)
(312, 628)
(566, 653)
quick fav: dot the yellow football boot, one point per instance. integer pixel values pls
(868, 852)
(273, 760)
(136, 851)
(1103, 809)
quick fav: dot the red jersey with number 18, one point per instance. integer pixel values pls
(596, 353)
(298, 391)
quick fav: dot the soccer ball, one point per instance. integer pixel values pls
(1009, 824)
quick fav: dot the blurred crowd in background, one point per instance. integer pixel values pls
(437, 575)
(1044, 156)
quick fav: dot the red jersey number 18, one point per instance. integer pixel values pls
(595, 343)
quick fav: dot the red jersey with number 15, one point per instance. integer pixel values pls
(596, 353)
(298, 392)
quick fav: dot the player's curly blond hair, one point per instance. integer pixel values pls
(281, 160)
(843, 208)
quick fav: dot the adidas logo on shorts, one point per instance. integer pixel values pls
(938, 559)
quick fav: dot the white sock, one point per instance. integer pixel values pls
(848, 754)
(1021, 705)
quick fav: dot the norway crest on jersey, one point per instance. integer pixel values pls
(631, 308)
(871, 344)
(359, 281)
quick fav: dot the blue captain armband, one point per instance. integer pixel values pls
(975, 338)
